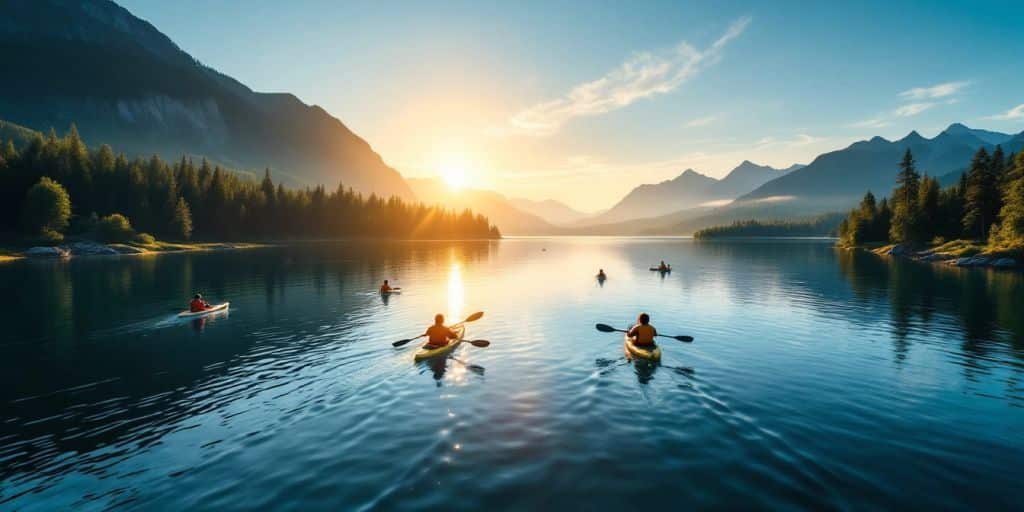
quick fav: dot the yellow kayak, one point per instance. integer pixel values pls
(427, 353)
(635, 352)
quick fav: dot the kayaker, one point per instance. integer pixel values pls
(439, 334)
(643, 332)
(601, 274)
(385, 288)
(198, 304)
(662, 266)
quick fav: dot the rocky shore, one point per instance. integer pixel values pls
(87, 248)
(934, 255)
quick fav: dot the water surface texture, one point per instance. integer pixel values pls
(818, 379)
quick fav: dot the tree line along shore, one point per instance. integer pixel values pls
(55, 190)
(978, 221)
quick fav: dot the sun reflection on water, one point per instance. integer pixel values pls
(456, 293)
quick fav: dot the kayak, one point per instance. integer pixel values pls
(635, 352)
(656, 269)
(427, 353)
(210, 310)
(393, 291)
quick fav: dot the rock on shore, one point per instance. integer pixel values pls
(966, 261)
(47, 252)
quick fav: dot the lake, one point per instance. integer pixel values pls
(819, 378)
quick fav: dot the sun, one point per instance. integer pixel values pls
(454, 173)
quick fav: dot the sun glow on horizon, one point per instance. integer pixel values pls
(455, 172)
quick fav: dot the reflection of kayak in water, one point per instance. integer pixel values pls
(427, 353)
(208, 311)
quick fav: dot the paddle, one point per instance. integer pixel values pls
(475, 368)
(471, 318)
(608, 328)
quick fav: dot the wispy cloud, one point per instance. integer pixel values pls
(936, 91)
(912, 109)
(1014, 113)
(916, 101)
(642, 76)
(875, 122)
(701, 121)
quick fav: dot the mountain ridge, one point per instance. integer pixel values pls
(146, 95)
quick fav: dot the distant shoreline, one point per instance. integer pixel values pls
(14, 251)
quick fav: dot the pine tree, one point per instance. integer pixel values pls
(928, 206)
(906, 218)
(981, 196)
(181, 224)
(1011, 217)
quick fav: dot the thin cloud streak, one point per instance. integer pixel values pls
(642, 76)
(936, 91)
(701, 121)
(916, 98)
(1014, 113)
(912, 109)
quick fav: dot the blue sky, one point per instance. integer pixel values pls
(581, 101)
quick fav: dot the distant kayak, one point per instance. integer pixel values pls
(427, 353)
(393, 291)
(656, 269)
(210, 310)
(635, 352)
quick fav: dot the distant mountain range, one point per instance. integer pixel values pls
(689, 190)
(498, 209)
(555, 212)
(832, 182)
(91, 62)
(841, 177)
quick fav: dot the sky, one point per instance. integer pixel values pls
(582, 101)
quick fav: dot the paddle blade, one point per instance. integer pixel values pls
(480, 343)
(687, 339)
(607, 328)
(399, 343)
(474, 317)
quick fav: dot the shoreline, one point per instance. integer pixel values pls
(956, 253)
(82, 248)
(87, 248)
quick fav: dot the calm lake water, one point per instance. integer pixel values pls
(818, 379)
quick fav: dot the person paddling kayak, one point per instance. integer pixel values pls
(663, 267)
(643, 332)
(439, 334)
(386, 288)
(198, 304)
(601, 274)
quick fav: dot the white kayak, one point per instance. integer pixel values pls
(212, 309)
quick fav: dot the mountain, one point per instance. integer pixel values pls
(17, 134)
(989, 137)
(123, 82)
(689, 190)
(650, 200)
(555, 212)
(496, 207)
(746, 177)
(841, 177)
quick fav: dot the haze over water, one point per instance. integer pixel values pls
(818, 378)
